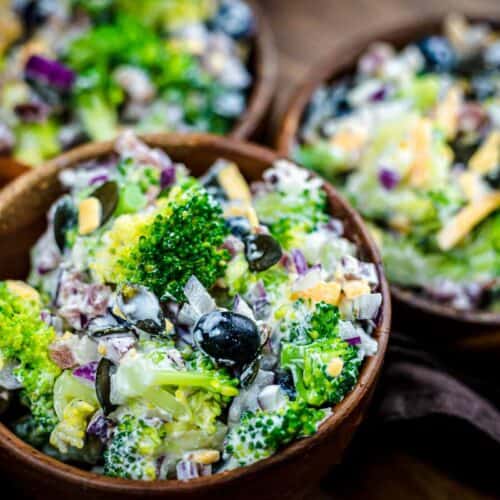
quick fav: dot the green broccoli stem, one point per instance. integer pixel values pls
(166, 401)
(190, 379)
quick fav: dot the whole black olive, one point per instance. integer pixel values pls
(229, 338)
(108, 194)
(261, 251)
(239, 226)
(141, 308)
(65, 218)
(103, 385)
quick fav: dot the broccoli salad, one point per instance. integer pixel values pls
(413, 140)
(174, 327)
(79, 70)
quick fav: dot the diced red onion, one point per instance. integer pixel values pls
(86, 372)
(300, 261)
(187, 469)
(241, 307)
(167, 176)
(354, 341)
(100, 427)
(335, 226)
(388, 178)
(32, 112)
(7, 139)
(101, 178)
(198, 297)
(379, 95)
(49, 72)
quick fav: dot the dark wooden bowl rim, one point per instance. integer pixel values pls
(341, 61)
(19, 450)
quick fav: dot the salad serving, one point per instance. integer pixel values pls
(174, 327)
(79, 70)
(412, 138)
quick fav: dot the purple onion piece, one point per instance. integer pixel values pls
(32, 112)
(98, 179)
(300, 261)
(186, 470)
(379, 95)
(167, 177)
(86, 372)
(100, 427)
(354, 341)
(335, 226)
(388, 178)
(49, 72)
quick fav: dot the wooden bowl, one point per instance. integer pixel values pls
(287, 474)
(474, 330)
(263, 65)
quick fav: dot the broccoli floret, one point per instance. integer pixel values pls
(324, 367)
(291, 215)
(25, 340)
(261, 433)
(134, 448)
(162, 251)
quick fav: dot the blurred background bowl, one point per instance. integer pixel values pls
(464, 330)
(288, 473)
(263, 67)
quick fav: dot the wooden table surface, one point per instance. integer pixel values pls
(305, 30)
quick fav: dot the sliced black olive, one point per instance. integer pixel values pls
(464, 146)
(231, 339)
(102, 326)
(108, 195)
(33, 12)
(261, 251)
(493, 178)
(285, 381)
(5, 400)
(65, 218)
(141, 308)
(104, 371)
(239, 226)
(248, 374)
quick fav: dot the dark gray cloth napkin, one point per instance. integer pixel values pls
(417, 384)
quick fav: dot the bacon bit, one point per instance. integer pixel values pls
(62, 355)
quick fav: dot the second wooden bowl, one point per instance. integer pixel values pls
(287, 474)
(263, 67)
(474, 330)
